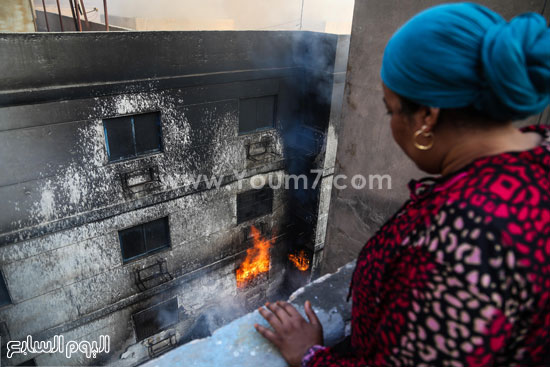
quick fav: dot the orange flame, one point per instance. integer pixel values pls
(257, 259)
(301, 261)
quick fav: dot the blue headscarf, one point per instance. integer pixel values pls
(456, 55)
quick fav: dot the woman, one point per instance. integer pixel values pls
(460, 275)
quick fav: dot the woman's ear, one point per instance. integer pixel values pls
(429, 117)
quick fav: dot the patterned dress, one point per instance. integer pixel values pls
(460, 275)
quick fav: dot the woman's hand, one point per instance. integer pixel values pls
(292, 334)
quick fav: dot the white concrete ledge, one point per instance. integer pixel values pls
(238, 343)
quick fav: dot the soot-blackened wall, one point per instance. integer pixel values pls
(65, 203)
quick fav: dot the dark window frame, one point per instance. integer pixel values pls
(5, 285)
(28, 362)
(142, 331)
(134, 143)
(252, 195)
(146, 253)
(265, 128)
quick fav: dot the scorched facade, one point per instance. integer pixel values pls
(129, 178)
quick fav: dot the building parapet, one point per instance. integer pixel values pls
(239, 344)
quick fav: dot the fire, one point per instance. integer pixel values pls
(257, 259)
(300, 261)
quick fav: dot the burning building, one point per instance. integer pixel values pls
(131, 176)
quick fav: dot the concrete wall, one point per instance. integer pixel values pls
(64, 202)
(47, 98)
(365, 144)
(67, 174)
(73, 283)
(329, 150)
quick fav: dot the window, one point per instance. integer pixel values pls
(155, 319)
(144, 239)
(257, 114)
(254, 203)
(132, 136)
(30, 362)
(4, 294)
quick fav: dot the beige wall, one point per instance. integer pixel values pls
(16, 16)
(365, 145)
(173, 24)
(330, 16)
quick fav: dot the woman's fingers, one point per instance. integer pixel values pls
(280, 312)
(283, 316)
(266, 333)
(292, 334)
(271, 318)
(311, 314)
(290, 310)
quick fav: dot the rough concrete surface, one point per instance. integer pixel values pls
(365, 144)
(238, 343)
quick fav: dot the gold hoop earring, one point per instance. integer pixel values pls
(428, 135)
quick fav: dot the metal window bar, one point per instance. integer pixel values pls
(157, 272)
(60, 18)
(253, 204)
(133, 135)
(258, 151)
(163, 345)
(46, 16)
(149, 173)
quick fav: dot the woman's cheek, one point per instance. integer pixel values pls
(397, 132)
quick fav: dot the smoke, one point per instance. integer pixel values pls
(166, 317)
(333, 16)
(220, 311)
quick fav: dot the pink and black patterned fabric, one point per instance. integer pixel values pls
(460, 275)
